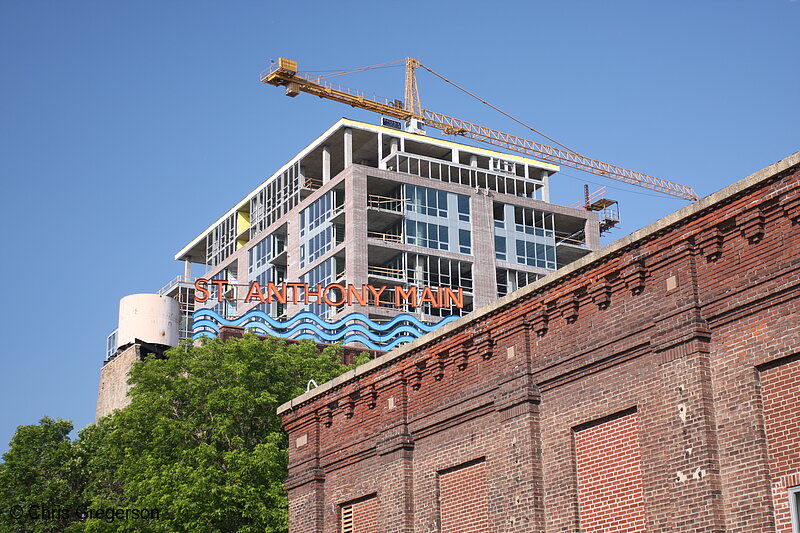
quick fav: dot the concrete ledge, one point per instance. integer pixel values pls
(685, 213)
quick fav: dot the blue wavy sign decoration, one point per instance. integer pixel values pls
(354, 327)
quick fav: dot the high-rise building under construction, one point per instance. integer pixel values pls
(370, 236)
(433, 228)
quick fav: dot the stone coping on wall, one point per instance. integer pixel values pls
(660, 225)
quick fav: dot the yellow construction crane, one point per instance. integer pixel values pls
(284, 73)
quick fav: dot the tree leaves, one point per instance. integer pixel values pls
(200, 442)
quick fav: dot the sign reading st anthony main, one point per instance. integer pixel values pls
(334, 294)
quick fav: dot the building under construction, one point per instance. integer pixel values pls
(366, 205)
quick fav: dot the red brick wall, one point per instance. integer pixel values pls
(463, 500)
(780, 385)
(688, 323)
(610, 476)
(364, 516)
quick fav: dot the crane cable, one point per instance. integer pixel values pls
(501, 111)
(336, 73)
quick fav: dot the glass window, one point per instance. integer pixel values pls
(464, 241)
(533, 222)
(536, 254)
(427, 235)
(463, 208)
(794, 505)
(500, 248)
(499, 215)
(426, 201)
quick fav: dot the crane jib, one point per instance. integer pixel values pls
(285, 74)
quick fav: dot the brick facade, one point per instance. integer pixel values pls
(675, 348)
(780, 393)
(608, 467)
(462, 498)
(360, 516)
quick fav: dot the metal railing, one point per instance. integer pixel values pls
(397, 273)
(311, 183)
(570, 238)
(175, 281)
(385, 237)
(387, 203)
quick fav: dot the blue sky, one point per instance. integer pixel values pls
(127, 128)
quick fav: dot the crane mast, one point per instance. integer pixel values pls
(285, 73)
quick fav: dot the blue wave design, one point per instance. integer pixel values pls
(308, 316)
(354, 327)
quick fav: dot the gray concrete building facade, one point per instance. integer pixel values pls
(371, 205)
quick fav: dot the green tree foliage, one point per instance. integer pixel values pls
(200, 442)
(40, 479)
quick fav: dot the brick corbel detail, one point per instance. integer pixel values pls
(635, 277)
(710, 244)
(538, 320)
(600, 293)
(791, 206)
(371, 397)
(350, 404)
(393, 443)
(752, 227)
(569, 308)
(461, 354)
(484, 344)
(441, 362)
(417, 373)
(326, 416)
(516, 396)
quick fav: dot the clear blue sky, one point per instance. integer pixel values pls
(127, 127)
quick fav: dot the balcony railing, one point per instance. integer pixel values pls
(386, 272)
(386, 203)
(576, 239)
(385, 237)
(311, 183)
(177, 280)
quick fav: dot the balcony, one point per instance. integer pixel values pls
(390, 238)
(308, 185)
(385, 203)
(475, 177)
(385, 272)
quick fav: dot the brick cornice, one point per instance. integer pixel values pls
(634, 271)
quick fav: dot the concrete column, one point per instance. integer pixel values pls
(483, 269)
(348, 147)
(592, 232)
(187, 269)
(473, 160)
(380, 150)
(546, 189)
(355, 222)
(393, 145)
(326, 164)
(454, 155)
(293, 256)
